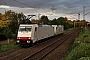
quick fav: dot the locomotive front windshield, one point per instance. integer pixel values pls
(25, 28)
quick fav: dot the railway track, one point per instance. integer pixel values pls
(18, 51)
(46, 50)
(39, 51)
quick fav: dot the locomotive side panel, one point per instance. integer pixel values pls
(43, 32)
(59, 29)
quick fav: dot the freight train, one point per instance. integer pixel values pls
(31, 33)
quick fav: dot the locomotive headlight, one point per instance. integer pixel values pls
(29, 38)
(28, 41)
(18, 41)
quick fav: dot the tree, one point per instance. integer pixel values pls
(9, 15)
(7, 32)
(63, 21)
(53, 22)
(12, 20)
(83, 23)
(3, 22)
(70, 23)
(44, 19)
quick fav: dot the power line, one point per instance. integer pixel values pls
(75, 13)
(73, 17)
(84, 12)
(44, 5)
(5, 4)
(24, 4)
(27, 4)
(19, 3)
(39, 3)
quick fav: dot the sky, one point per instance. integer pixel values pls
(51, 8)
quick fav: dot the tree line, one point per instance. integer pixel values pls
(60, 21)
(10, 21)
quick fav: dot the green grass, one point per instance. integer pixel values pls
(82, 50)
(81, 47)
(69, 29)
(6, 47)
(84, 58)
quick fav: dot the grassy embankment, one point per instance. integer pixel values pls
(81, 47)
(5, 46)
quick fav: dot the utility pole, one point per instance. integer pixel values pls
(78, 16)
(39, 16)
(83, 12)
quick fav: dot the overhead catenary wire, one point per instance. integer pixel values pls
(28, 5)
(19, 3)
(72, 17)
(4, 3)
(31, 6)
(7, 3)
(24, 4)
(40, 3)
(43, 4)
(41, 10)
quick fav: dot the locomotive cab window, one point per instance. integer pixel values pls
(28, 28)
(22, 29)
(25, 28)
